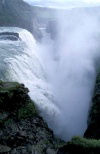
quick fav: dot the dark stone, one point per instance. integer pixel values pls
(9, 36)
(4, 149)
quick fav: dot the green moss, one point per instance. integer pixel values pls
(15, 101)
(6, 86)
(85, 143)
(27, 111)
(12, 96)
(82, 146)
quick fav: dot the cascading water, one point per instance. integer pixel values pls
(22, 64)
(59, 73)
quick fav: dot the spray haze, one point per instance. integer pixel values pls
(75, 70)
(72, 74)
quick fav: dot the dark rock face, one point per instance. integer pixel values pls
(22, 130)
(9, 36)
(29, 134)
(93, 130)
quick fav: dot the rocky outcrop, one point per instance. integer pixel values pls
(9, 36)
(93, 130)
(22, 130)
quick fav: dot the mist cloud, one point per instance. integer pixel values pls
(69, 63)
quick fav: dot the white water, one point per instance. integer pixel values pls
(26, 68)
(60, 73)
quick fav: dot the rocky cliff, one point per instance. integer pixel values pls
(22, 130)
(93, 130)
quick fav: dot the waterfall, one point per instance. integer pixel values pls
(60, 73)
(24, 65)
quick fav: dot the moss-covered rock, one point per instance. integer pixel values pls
(93, 130)
(22, 130)
(14, 99)
(80, 145)
(27, 111)
(15, 103)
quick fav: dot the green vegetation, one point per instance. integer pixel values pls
(15, 104)
(85, 143)
(81, 146)
(12, 96)
(27, 111)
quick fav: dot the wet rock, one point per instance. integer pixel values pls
(9, 36)
(50, 151)
(4, 149)
(3, 116)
